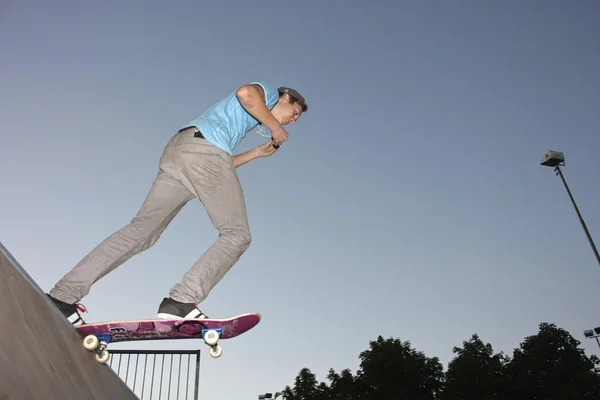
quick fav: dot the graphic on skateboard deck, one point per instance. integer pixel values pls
(98, 335)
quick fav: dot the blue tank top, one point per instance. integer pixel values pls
(226, 123)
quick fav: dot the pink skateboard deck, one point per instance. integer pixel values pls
(98, 335)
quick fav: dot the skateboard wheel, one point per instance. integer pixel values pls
(91, 342)
(103, 356)
(215, 351)
(211, 337)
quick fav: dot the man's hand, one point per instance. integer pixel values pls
(267, 149)
(264, 150)
(279, 136)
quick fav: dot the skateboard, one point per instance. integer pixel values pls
(97, 336)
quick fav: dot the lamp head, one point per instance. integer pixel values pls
(553, 158)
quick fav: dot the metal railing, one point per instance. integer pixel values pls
(159, 374)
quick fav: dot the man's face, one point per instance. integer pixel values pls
(285, 112)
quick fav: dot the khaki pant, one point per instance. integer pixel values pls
(189, 168)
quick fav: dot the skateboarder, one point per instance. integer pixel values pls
(197, 162)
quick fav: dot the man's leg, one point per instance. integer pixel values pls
(211, 175)
(165, 199)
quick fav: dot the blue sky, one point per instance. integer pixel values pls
(409, 201)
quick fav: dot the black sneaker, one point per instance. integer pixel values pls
(70, 311)
(170, 309)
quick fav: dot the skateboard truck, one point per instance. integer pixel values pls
(211, 338)
(98, 345)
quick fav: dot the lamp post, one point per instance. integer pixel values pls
(269, 395)
(556, 159)
(593, 333)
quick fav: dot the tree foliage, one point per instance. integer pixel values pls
(476, 373)
(305, 387)
(550, 365)
(547, 366)
(392, 369)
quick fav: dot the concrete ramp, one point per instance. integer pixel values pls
(41, 355)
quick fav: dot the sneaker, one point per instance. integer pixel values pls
(70, 311)
(173, 309)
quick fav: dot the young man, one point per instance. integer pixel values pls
(197, 162)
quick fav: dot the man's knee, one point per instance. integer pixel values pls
(239, 238)
(244, 240)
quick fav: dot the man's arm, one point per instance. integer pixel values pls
(264, 150)
(251, 97)
(243, 158)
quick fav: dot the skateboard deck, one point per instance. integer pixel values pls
(98, 335)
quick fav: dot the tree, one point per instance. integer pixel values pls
(305, 388)
(550, 365)
(342, 386)
(476, 373)
(547, 366)
(391, 369)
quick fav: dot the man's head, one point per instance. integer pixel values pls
(289, 107)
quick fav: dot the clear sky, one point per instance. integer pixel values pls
(409, 201)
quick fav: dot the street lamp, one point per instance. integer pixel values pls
(269, 395)
(593, 333)
(556, 159)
